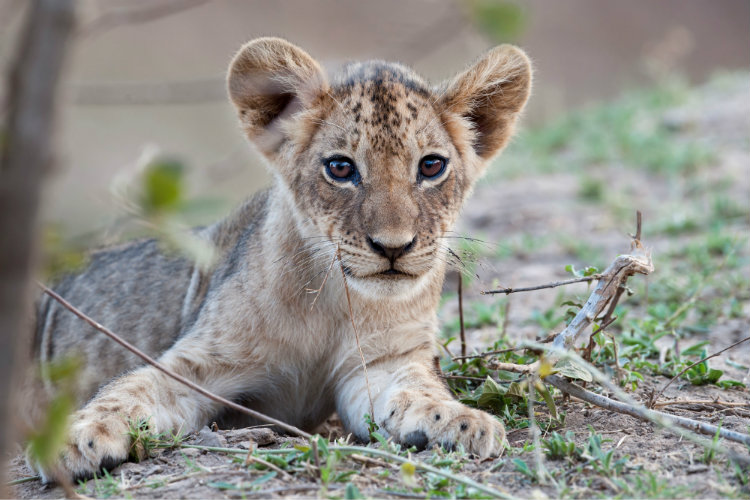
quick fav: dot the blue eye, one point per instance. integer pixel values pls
(432, 166)
(341, 169)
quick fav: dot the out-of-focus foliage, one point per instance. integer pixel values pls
(162, 186)
(155, 197)
(48, 438)
(501, 21)
(61, 255)
(630, 131)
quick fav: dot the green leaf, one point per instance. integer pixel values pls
(570, 268)
(590, 270)
(694, 350)
(726, 384)
(491, 396)
(714, 375)
(264, 478)
(162, 185)
(352, 493)
(222, 485)
(516, 389)
(523, 468)
(379, 438)
(542, 389)
(571, 369)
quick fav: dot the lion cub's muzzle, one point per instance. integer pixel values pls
(391, 251)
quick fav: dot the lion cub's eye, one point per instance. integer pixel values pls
(432, 166)
(341, 169)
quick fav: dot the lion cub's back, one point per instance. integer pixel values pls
(136, 290)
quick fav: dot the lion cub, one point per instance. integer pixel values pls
(371, 162)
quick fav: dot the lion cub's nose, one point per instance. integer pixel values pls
(390, 252)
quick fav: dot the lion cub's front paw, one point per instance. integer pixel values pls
(97, 441)
(450, 424)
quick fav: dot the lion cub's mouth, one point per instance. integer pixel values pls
(393, 273)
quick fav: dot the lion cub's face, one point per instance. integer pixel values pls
(376, 160)
(382, 177)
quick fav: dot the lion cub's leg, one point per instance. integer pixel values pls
(99, 435)
(412, 405)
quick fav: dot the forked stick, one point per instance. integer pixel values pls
(611, 282)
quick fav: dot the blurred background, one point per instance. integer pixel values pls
(148, 74)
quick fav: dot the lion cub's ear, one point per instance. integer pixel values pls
(269, 80)
(490, 95)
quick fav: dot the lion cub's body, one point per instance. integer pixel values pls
(247, 329)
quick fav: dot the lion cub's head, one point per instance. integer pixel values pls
(377, 161)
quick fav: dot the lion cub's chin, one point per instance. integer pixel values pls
(380, 287)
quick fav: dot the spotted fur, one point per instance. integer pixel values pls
(246, 329)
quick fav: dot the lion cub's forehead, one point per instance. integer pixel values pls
(385, 108)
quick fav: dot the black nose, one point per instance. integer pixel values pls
(390, 253)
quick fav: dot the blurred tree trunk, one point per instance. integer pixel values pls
(25, 141)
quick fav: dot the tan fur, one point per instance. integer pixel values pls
(254, 336)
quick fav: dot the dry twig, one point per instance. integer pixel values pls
(488, 353)
(513, 367)
(554, 284)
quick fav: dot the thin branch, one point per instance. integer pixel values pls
(513, 367)
(554, 284)
(488, 353)
(120, 17)
(463, 377)
(461, 315)
(618, 370)
(638, 224)
(652, 399)
(506, 316)
(590, 346)
(707, 402)
(252, 458)
(151, 361)
(644, 413)
(356, 335)
(325, 278)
